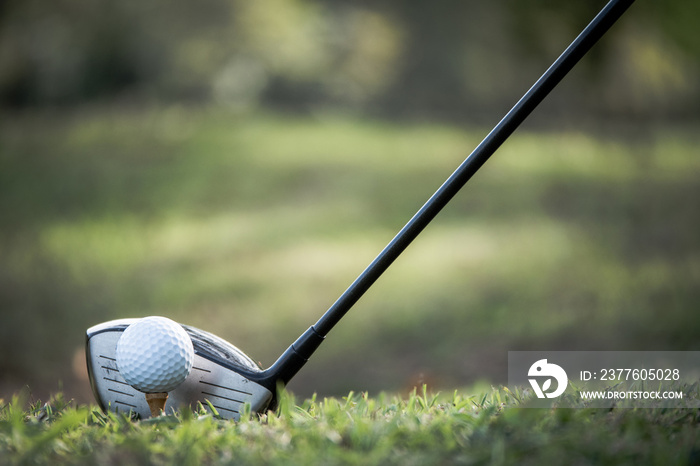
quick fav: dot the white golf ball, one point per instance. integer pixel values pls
(155, 354)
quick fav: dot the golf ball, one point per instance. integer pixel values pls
(155, 354)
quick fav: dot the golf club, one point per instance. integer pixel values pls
(225, 377)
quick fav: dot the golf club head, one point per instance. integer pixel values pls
(221, 374)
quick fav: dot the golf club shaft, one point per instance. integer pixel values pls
(312, 338)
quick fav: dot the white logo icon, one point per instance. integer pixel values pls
(542, 368)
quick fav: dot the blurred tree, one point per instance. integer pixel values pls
(449, 59)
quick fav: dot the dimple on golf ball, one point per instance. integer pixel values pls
(155, 354)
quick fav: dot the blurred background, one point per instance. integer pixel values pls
(234, 165)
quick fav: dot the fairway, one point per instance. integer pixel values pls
(252, 226)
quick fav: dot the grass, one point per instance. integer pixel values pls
(252, 226)
(492, 427)
(488, 427)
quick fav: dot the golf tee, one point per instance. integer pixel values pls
(156, 402)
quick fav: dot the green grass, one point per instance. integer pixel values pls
(489, 427)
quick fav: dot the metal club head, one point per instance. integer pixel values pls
(221, 374)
